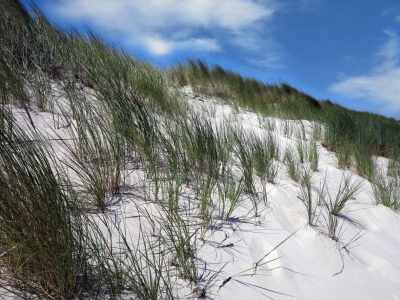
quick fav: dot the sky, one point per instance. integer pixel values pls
(344, 51)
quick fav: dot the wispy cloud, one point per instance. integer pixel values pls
(381, 86)
(309, 4)
(164, 26)
(396, 19)
(264, 53)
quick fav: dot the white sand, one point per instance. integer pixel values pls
(309, 265)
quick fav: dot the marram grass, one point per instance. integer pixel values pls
(126, 115)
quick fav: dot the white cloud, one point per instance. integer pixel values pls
(382, 85)
(390, 50)
(163, 26)
(158, 46)
(396, 19)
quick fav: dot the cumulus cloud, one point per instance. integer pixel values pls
(382, 84)
(164, 26)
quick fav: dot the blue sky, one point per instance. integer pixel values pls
(345, 51)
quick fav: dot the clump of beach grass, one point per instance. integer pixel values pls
(386, 191)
